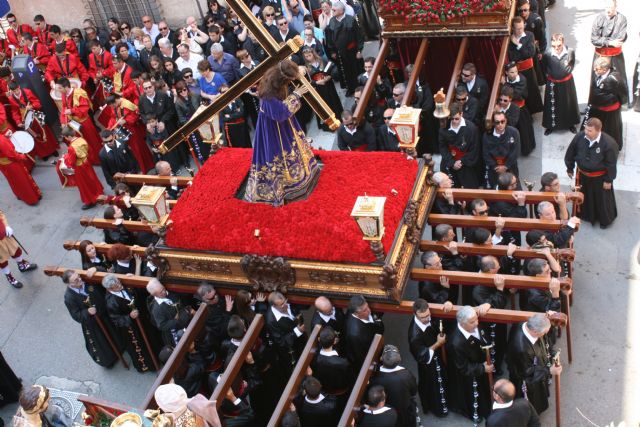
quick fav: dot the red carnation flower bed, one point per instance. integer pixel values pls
(209, 217)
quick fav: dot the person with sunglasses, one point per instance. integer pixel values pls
(468, 105)
(269, 19)
(150, 28)
(386, 137)
(521, 50)
(351, 137)
(187, 102)
(41, 32)
(57, 38)
(215, 13)
(345, 42)
(15, 30)
(561, 109)
(460, 149)
(517, 115)
(477, 87)
(500, 149)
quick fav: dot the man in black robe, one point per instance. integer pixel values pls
(426, 346)
(314, 408)
(606, 99)
(521, 50)
(121, 307)
(467, 368)
(399, 384)
(344, 46)
(437, 293)
(446, 204)
(351, 137)
(469, 105)
(376, 413)
(220, 309)
(166, 311)
(459, 147)
(327, 314)
(476, 86)
(608, 34)
(84, 303)
(534, 24)
(515, 89)
(386, 137)
(500, 149)
(333, 370)
(560, 97)
(487, 297)
(596, 154)
(373, 112)
(360, 328)
(509, 411)
(529, 358)
(382, 88)
(508, 181)
(286, 331)
(115, 157)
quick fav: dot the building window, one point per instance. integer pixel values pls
(130, 11)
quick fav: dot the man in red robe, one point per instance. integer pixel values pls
(123, 84)
(9, 248)
(38, 50)
(125, 113)
(12, 165)
(76, 106)
(100, 68)
(23, 100)
(57, 39)
(15, 30)
(64, 64)
(42, 30)
(77, 158)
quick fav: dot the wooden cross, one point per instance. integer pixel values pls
(276, 54)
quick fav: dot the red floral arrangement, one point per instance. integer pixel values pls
(208, 216)
(436, 10)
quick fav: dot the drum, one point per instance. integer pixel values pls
(121, 134)
(22, 141)
(28, 119)
(57, 96)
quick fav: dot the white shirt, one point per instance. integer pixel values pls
(530, 337)
(318, 399)
(153, 32)
(496, 134)
(279, 315)
(326, 318)
(108, 150)
(151, 98)
(497, 405)
(121, 294)
(470, 84)
(594, 141)
(602, 77)
(329, 353)
(388, 370)
(376, 411)
(466, 334)
(369, 320)
(163, 300)
(423, 327)
(563, 52)
(192, 63)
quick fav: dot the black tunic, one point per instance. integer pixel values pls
(10, 384)
(100, 264)
(400, 387)
(344, 40)
(605, 30)
(479, 91)
(527, 51)
(363, 139)
(357, 338)
(284, 341)
(529, 368)
(504, 150)
(605, 100)
(95, 341)
(334, 373)
(432, 376)
(387, 417)
(560, 98)
(234, 125)
(468, 382)
(387, 139)
(523, 122)
(119, 308)
(495, 333)
(163, 317)
(463, 146)
(599, 204)
(336, 323)
(321, 414)
(509, 210)
(327, 91)
(520, 414)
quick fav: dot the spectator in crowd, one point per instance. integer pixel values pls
(223, 63)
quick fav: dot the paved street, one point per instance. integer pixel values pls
(43, 344)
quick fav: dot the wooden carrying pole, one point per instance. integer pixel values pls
(457, 69)
(367, 92)
(533, 197)
(496, 81)
(298, 374)
(489, 222)
(166, 374)
(238, 359)
(353, 404)
(487, 279)
(495, 250)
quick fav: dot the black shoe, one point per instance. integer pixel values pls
(56, 154)
(572, 129)
(45, 158)
(25, 266)
(85, 207)
(547, 132)
(603, 226)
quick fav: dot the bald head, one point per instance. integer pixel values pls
(504, 391)
(324, 306)
(163, 168)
